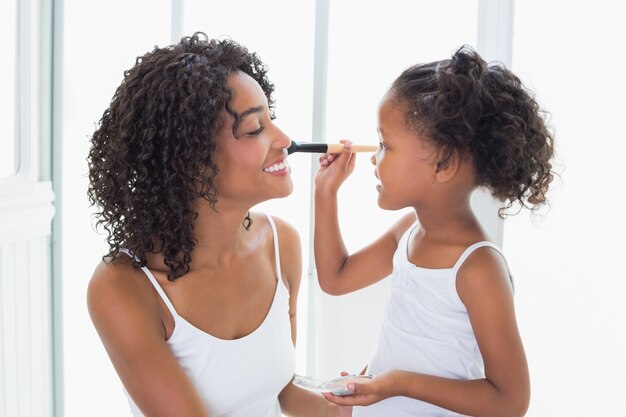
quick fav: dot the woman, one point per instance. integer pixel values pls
(195, 302)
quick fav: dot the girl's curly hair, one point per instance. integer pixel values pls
(467, 106)
(151, 154)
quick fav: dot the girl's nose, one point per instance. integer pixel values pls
(373, 159)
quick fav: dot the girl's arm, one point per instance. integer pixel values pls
(126, 316)
(484, 287)
(339, 272)
(295, 401)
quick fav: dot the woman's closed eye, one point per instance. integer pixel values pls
(256, 132)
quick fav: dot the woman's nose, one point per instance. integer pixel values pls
(373, 159)
(281, 140)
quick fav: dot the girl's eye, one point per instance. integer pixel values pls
(382, 146)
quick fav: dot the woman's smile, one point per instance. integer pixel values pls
(279, 167)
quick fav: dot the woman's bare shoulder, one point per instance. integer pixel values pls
(117, 290)
(118, 275)
(286, 231)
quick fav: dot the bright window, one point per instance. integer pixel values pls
(8, 44)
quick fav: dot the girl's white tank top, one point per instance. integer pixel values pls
(425, 329)
(240, 377)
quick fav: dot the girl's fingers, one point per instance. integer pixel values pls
(326, 159)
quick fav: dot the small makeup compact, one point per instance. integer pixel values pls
(337, 386)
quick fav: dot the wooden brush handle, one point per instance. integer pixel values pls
(338, 148)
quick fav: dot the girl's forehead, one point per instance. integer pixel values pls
(387, 100)
(392, 114)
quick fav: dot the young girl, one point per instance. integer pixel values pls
(449, 343)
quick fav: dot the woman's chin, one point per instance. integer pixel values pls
(285, 191)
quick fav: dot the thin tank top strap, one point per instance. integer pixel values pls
(270, 220)
(470, 249)
(475, 246)
(155, 284)
(405, 239)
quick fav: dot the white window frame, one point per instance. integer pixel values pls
(26, 212)
(25, 177)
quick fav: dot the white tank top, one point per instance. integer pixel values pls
(425, 329)
(241, 377)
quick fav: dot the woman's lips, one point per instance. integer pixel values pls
(280, 167)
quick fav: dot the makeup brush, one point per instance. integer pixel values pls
(319, 147)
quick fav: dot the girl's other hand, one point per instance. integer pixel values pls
(335, 168)
(367, 393)
(340, 410)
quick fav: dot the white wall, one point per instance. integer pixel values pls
(567, 265)
(101, 40)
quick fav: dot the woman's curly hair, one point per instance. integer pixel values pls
(468, 106)
(151, 154)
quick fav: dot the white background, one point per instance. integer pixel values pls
(569, 278)
(7, 88)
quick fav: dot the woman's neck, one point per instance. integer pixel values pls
(219, 233)
(220, 239)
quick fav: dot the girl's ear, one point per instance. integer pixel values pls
(447, 168)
